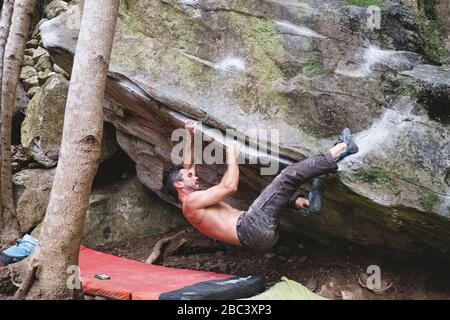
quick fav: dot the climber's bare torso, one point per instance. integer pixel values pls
(217, 221)
(206, 210)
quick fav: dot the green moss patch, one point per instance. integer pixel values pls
(375, 176)
(364, 3)
(428, 201)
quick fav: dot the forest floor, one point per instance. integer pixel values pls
(329, 271)
(333, 272)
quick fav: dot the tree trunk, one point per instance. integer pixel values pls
(14, 51)
(60, 239)
(5, 23)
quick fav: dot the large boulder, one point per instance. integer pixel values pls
(307, 69)
(128, 211)
(43, 125)
(122, 211)
(32, 189)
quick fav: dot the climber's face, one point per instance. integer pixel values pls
(190, 181)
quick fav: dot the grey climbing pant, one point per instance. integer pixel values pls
(257, 228)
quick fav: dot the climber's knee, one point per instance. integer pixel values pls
(268, 239)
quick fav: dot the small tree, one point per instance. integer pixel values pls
(60, 239)
(14, 52)
(5, 24)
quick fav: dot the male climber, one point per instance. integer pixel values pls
(257, 227)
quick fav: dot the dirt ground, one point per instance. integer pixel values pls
(331, 272)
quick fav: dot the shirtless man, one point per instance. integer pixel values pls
(257, 227)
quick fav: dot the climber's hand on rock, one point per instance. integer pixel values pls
(191, 127)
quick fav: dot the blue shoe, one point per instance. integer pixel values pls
(18, 252)
(315, 198)
(346, 136)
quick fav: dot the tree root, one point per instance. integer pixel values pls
(159, 246)
(27, 282)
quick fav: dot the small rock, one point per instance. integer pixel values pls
(44, 62)
(36, 31)
(269, 255)
(18, 154)
(15, 167)
(61, 71)
(33, 43)
(55, 8)
(39, 52)
(28, 61)
(30, 82)
(33, 91)
(43, 76)
(27, 72)
(30, 52)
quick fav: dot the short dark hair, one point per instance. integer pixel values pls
(169, 178)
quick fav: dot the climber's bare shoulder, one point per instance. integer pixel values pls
(215, 220)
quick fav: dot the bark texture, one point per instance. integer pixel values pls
(60, 239)
(5, 24)
(14, 52)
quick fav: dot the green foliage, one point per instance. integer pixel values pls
(130, 19)
(428, 201)
(432, 30)
(406, 89)
(433, 33)
(364, 3)
(375, 176)
(313, 68)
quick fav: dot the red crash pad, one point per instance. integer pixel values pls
(134, 280)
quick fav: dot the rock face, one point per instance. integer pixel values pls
(119, 212)
(129, 211)
(43, 125)
(306, 69)
(32, 192)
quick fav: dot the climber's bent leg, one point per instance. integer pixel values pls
(258, 227)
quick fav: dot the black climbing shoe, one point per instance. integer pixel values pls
(346, 136)
(315, 198)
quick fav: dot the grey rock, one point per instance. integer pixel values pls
(27, 72)
(30, 82)
(44, 62)
(55, 8)
(38, 53)
(61, 71)
(33, 43)
(125, 211)
(287, 67)
(43, 123)
(32, 91)
(28, 61)
(32, 189)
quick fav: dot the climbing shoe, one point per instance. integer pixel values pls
(20, 251)
(346, 136)
(315, 198)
